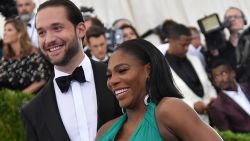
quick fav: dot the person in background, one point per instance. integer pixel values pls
(188, 72)
(75, 102)
(166, 26)
(89, 22)
(231, 109)
(196, 48)
(22, 66)
(237, 51)
(129, 32)
(140, 78)
(164, 34)
(25, 10)
(97, 44)
(118, 23)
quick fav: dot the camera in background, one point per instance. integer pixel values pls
(212, 28)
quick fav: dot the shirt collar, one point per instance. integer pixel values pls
(233, 92)
(32, 21)
(86, 65)
(98, 60)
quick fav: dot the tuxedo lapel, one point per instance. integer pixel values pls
(231, 103)
(246, 89)
(99, 77)
(53, 119)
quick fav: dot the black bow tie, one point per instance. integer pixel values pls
(63, 82)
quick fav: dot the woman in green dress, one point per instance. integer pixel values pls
(140, 78)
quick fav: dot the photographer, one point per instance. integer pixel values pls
(237, 51)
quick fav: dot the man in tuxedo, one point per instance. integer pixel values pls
(231, 109)
(76, 101)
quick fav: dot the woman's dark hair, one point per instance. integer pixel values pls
(131, 27)
(74, 14)
(160, 82)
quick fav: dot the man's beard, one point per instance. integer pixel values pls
(71, 50)
(26, 17)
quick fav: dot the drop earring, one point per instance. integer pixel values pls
(146, 100)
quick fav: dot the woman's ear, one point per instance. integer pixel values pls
(148, 70)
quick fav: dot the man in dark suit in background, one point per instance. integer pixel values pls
(76, 100)
(231, 109)
(97, 44)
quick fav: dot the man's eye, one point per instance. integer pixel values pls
(58, 28)
(41, 33)
(108, 76)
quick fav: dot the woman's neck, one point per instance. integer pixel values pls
(136, 115)
(16, 47)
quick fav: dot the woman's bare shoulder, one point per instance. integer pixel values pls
(171, 111)
(105, 127)
(170, 104)
(183, 121)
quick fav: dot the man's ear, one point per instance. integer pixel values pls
(33, 5)
(80, 30)
(233, 74)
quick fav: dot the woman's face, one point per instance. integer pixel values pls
(10, 34)
(128, 34)
(127, 79)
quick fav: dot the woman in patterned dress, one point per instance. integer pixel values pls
(22, 66)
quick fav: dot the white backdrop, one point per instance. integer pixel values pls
(146, 14)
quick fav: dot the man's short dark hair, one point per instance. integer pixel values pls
(96, 22)
(95, 31)
(192, 28)
(219, 62)
(167, 24)
(178, 30)
(73, 12)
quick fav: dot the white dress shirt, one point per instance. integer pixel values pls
(68, 105)
(32, 32)
(240, 98)
(98, 60)
(196, 52)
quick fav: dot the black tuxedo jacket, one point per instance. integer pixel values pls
(41, 116)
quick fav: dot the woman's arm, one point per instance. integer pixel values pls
(35, 86)
(183, 121)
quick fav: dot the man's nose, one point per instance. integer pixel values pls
(50, 37)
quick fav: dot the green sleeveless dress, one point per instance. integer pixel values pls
(147, 130)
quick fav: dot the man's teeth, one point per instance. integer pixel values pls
(54, 49)
(121, 91)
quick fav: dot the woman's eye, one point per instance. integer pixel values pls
(122, 71)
